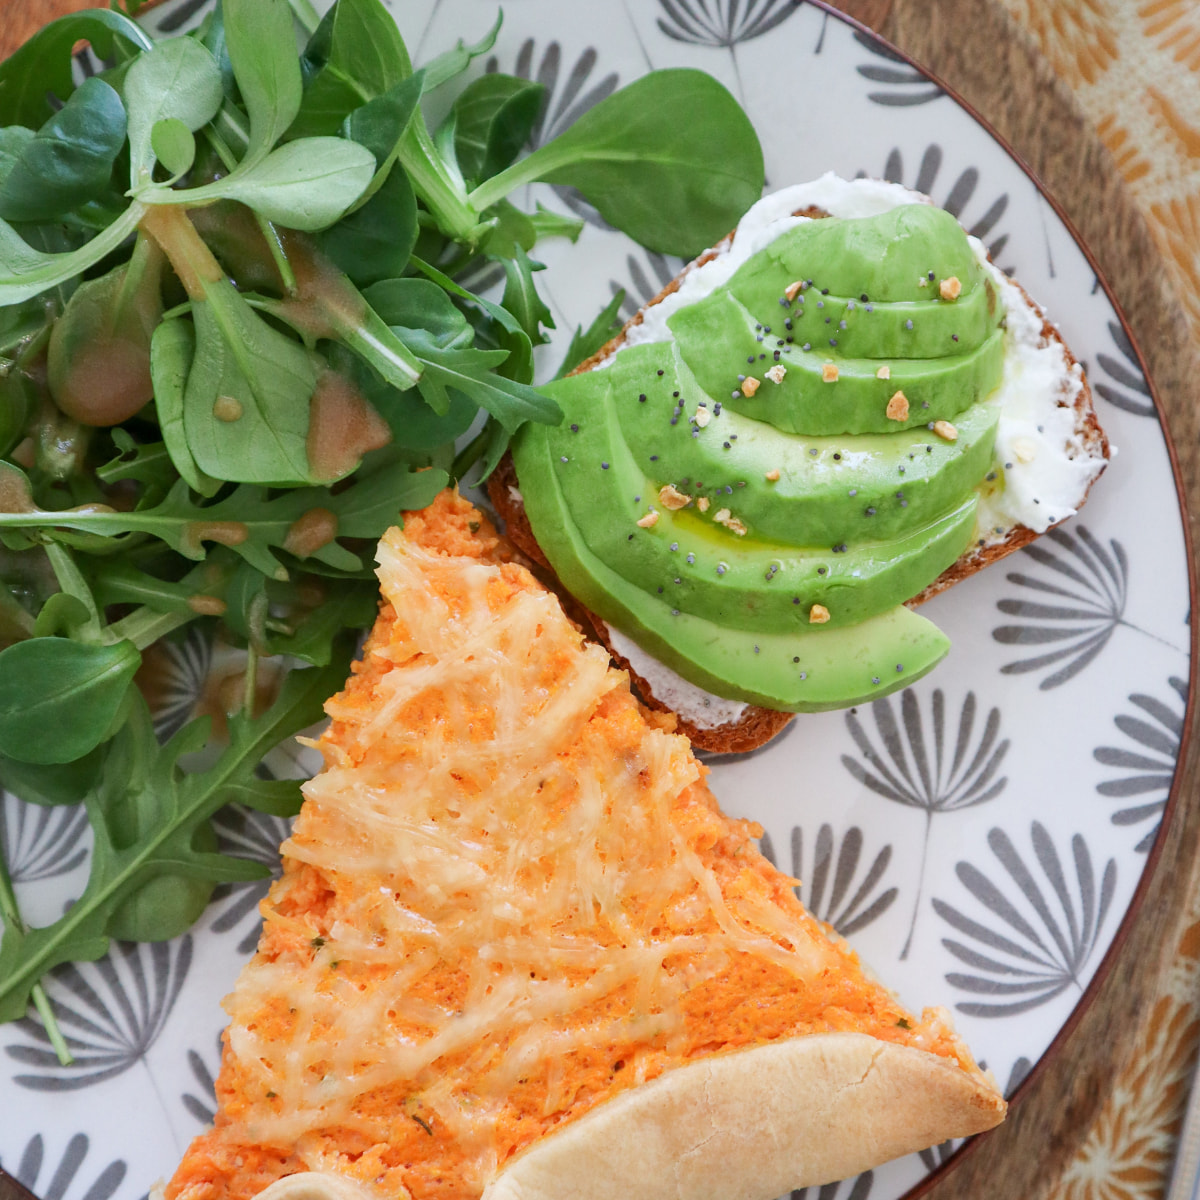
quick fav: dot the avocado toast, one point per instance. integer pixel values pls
(818, 425)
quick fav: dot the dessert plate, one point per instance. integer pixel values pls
(981, 837)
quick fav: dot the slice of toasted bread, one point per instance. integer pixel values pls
(517, 952)
(754, 725)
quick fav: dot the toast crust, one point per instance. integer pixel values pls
(757, 725)
(746, 1125)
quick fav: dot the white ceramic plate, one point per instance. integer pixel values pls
(981, 837)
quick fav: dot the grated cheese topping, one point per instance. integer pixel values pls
(509, 896)
(477, 813)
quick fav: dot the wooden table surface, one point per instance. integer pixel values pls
(980, 52)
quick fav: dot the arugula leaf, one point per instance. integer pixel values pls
(453, 62)
(552, 224)
(177, 80)
(420, 304)
(511, 230)
(355, 55)
(58, 697)
(521, 296)
(146, 819)
(252, 522)
(70, 158)
(585, 343)
(147, 463)
(671, 182)
(469, 371)
(43, 66)
(503, 328)
(495, 115)
(124, 583)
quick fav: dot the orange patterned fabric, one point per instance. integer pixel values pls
(1134, 66)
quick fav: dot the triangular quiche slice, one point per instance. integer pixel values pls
(517, 951)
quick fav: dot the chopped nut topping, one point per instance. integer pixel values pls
(773, 474)
(702, 417)
(702, 504)
(649, 520)
(818, 614)
(793, 289)
(670, 497)
(776, 373)
(749, 385)
(829, 372)
(724, 517)
(1025, 449)
(945, 430)
(884, 372)
(950, 289)
(897, 407)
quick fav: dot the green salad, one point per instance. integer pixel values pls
(233, 348)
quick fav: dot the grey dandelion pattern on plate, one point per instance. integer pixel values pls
(204, 1106)
(1037, 935)
(645, 281)
(570, 92)
(926, 766)
(176, 16)
(177, 675)
(723, 24)
(903, 84)
(66, 1179)
(831, 888)
(110, 1011)
(1123, 384)
(1148, 768)
(857, 1188)
(961, 196)
(41, 842)
(1081, 593)
(934, 1157)
(244, 833)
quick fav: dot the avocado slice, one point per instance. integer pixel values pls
(904, 329)
(811, 671)
(735, 579)
(717, 339)
(876, 326)
(759, 537)
(830, 490)
(887, 257)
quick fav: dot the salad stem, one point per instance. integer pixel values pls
(434, 184)
(12, 916)
(71, 581)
